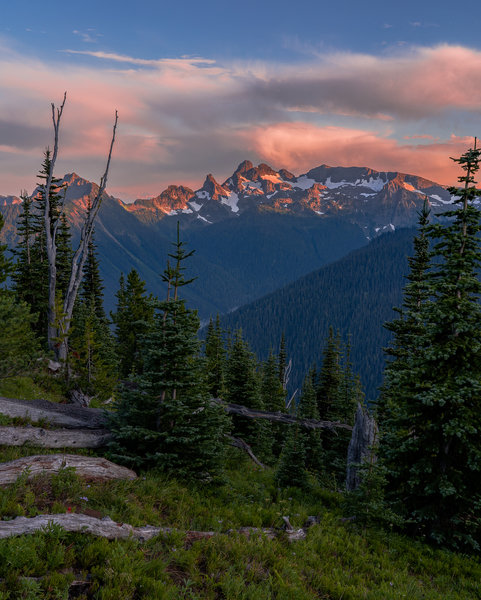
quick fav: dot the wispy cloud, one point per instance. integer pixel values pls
(88, 36)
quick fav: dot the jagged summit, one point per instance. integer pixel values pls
(375, 200)
(245, 166)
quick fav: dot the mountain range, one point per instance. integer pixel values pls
(257, 231)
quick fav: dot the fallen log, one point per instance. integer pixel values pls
(88, 467)
(65, 415)
(79, 523)
(279, 417)
(96, 418)
(54, 438)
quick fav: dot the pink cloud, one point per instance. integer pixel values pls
(300, 146)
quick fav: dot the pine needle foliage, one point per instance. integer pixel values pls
(164, 418)
(430, 442)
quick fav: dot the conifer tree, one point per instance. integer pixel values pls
(328, 386)
(282, 363)
(5, 263)
(133, 318)
(31, 276)
(430, 441)
(94, 359)
(167, 421)
(291, 470)
(17, 341)
(409, 328)
(215, 359)
(307, 409)
(243, 387)
(273, 398)
(338, 392)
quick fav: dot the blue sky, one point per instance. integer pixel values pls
(381, 84)
(269, 30)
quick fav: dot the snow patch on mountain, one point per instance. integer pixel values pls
(439, 199)
(203, 195)
(231, 201)
(304, 183)
(374, 183)
(195, 205)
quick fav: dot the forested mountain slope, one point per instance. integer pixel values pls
(355, 295)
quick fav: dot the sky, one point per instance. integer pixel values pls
(201, 86)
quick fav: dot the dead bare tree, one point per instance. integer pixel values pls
(59, 318)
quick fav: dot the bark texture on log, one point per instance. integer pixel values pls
(361, 446)
(66, 415)
(279, 417)
(53, 438)
(75, 522)
(89, 467)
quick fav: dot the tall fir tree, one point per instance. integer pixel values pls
(291, 470)
(215, 358)
(93, 348)
(18, 344)
(408, 329)
(133, 319)
(338, 392)
(273, 398)
(430, 442)
(282, 361)
(329, 382)
(168, 420)
(31, 278)
(243, 387)
(307, 409)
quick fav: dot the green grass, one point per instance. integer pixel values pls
(335, 561)
(26, 387)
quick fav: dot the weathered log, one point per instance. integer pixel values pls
(238, 443)
(95, 418)
(361, 447)
(279, 417)
(89, 467)
(66, 415)
(53, 438)
(76, 522)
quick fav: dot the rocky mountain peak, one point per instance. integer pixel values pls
(213, 189)
(245, 166)
(287, 175)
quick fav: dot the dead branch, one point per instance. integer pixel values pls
(87, 467)
(238, 443)
(53, 438)
(75, 522)
(80, 255)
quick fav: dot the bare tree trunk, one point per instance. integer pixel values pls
(361, 447)
(51, 233)
(60, 323)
